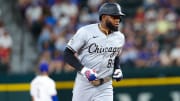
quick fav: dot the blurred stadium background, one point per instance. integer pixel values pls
(36, 30)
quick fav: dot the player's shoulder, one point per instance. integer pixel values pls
(119, 34)
(50, 80)
(34, 80)
(89, 27)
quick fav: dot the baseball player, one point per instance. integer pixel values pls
(42, 86)
(94, 52)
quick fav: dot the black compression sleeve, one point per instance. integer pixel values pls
(71, 59)
(117, 63)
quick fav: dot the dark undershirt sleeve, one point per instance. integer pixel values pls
(71, 59)
(117, 63)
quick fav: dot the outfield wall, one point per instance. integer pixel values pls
(152, 84)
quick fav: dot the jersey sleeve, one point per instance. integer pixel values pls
(122, 43)
(32, 89)
(52, 89)
(78, 40)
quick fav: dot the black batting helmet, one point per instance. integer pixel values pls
(110, 9)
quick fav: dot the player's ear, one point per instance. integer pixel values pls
(121, 18)
(103, 17)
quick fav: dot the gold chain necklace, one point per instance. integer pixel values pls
(103, 29)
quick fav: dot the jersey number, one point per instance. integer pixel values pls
(110, 63)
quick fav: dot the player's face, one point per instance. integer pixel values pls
(112, 22)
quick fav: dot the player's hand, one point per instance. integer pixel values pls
(90, 74)
(95, 82)
(117, 75)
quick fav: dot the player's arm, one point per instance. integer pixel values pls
(117, 63)
(117, 74)
(71, 59)
(74, 44)
(32, 91)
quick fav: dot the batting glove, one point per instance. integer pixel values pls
(117, 75)
(90, 74)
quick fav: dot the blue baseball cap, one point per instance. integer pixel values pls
(44, 67)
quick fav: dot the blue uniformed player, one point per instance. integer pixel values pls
(94, 52)
(43, 88)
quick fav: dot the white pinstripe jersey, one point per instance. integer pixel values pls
(97, 50)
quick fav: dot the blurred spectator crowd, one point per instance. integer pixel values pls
(5, 49)
(152, 33)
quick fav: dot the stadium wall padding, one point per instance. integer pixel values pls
(146, 84)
